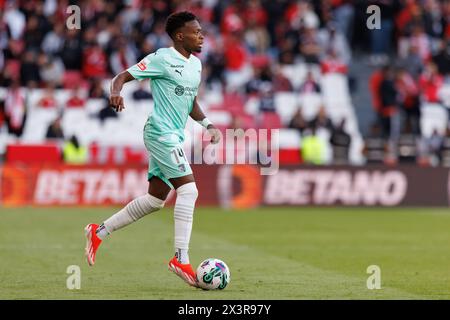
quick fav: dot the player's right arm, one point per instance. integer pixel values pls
(151, 67)
(115, 99)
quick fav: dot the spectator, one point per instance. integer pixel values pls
(262, 75)
(96, 91)
(256, 36)
(29, 70)
(412, 63)
(71, 53)
(300, 14)
(123, 57)
(94, 62)
(409, 99)
(442, 58)
(430, 82)
(332, 64)
(389, 103)
(55, 130)
(267, 98)
(15, 109)
(159, 37)
(33, 35)
(54, 40)
(321, 120)
(421, 41)
(310, 47)
(374, 86)
(48, 99)
(75, 100)
(215, 66)
(433, 147)
(313, 148)
(340, 141)
(343, 16)
(237, 69)
(298, 122)
(332, 40)
(51, 69)
(15, 20)
(141, 93)
(145, 23)
(280, 82)
(380, 39)
(310, 85)
(74, 153)
(434, 21)
(106, 112)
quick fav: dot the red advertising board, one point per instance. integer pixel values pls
(233, 186)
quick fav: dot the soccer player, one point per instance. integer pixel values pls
(175, 77)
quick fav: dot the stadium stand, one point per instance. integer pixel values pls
(302, 69)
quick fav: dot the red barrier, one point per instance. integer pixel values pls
(234, 186)
(28, 153)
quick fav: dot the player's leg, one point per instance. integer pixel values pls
(183, 214)
(172, 162)
(133, 211)
(183, 217)
(137, 208)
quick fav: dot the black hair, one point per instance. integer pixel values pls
(177, 20)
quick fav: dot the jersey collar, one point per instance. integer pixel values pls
(179, 54)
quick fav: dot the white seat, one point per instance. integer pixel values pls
(286, 105)
(36, 125)
(310, 104)
(289, 138)
(433, 116)
(222, 117)
(335, 87)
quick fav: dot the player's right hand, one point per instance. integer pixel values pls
(116, 102)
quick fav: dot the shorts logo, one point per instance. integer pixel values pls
(141, 65)
(179, 90)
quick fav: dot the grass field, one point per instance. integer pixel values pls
(273, 253)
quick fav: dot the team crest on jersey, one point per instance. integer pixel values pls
(141, 65)
(179, 90)
(182, 167)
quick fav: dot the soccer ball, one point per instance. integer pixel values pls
(213, 274)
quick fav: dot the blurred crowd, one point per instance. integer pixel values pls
(409, 83)
(246, 44)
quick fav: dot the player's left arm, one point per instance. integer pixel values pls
(198, 115)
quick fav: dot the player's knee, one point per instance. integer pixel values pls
(143, 206)
(188, 190)
(155, 203)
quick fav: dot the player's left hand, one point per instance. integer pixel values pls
(215, 134)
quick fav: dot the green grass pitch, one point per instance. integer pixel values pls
(273, 253)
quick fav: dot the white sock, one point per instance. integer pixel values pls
(102, 232)
(132, 212)
(182, 256)
(183, 215)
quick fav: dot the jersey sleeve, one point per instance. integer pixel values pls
(151, 67)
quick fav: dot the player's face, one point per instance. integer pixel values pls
(192, 36)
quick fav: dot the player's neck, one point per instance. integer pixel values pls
(182, 51)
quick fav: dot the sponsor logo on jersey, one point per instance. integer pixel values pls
(179, 90)
(179, 71)
(141, 65)
(176, 66)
